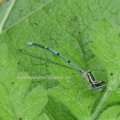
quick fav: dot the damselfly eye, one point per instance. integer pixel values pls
(94, 86)
(99, 85)
(102, 83)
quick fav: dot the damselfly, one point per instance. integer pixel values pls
(87, 75)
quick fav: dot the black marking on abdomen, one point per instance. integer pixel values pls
(69, 61)
(58, 54)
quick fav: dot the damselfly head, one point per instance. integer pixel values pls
(99, 85)
(102, 83)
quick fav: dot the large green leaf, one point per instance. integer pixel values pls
(17, 99)
(15, 11)
(106, 42)
(68, 27)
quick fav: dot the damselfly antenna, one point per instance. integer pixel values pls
(87, 75)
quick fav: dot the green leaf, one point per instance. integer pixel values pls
(69, 27)
(17, 99)
(105, 45)
(66, 105)
(5, 106)
(34, 103)
(21, 10)
(43, 117)
(58, 111)
(106, 42)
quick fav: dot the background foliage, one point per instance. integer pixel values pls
(37, 85)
